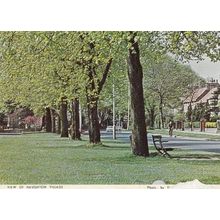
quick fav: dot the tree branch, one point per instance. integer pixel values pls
(104, 76)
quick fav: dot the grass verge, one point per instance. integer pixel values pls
(49, 159)
(186, 134)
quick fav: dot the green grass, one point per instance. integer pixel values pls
(49, 159)
(186, 134)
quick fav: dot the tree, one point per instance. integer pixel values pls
(166, 79)
(95, 60)
(185, 45)
(135, 75)
(38, 58)
(151, 105)
(190, 94)
(118, 78)
(61, 65)
(75, 133)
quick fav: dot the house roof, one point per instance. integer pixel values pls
(197, 95)
(208, 96)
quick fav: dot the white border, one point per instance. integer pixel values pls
(118, 15)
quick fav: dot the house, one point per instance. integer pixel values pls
(208, 94)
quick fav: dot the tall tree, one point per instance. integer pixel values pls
(167, 80)
(48, 122)
(75, 133)
(30, 59)
(95, 59)
(135, 74)
(185, 45)
(63, 118)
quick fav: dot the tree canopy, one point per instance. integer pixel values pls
(42, 69)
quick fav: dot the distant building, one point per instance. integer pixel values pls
(204, 95)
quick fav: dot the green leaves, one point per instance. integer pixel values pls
(166, 81)
(37, 68)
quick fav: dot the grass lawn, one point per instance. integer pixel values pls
(49, 159)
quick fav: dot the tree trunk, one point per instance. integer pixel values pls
(75, 133)
(152, 117)
(191, 117)
(135, 75)
(151, 109)
(158, 123)
(48, 123)
(161, 113)
(94, 129)
(53, 125)
(93, 89)
(161, 116)
(43, 124)
(63, 118)
(92, 104)
(58, 124)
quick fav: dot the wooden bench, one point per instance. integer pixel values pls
(158, 144)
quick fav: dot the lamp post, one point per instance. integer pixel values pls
(128, 105)
(8, 124)
(113, 111)
(80, 118)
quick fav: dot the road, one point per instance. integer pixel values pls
(178, 142)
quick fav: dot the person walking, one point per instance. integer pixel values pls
(170, 125)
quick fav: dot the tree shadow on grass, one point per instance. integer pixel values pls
(115, 141)
(63, 147)
(86, 146)
(196, 157)
(189, 156)
(115, 147)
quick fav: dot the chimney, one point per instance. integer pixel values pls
(212, 84)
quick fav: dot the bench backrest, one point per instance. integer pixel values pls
(157, 140)
(158, 144)
(157, 137)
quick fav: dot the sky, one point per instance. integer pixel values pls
(206, 69)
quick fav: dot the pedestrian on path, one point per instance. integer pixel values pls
(170, 125)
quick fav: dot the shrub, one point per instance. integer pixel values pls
(32, 121)
(196, 124)
(209, 124)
